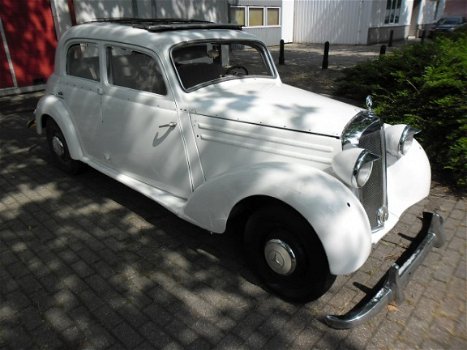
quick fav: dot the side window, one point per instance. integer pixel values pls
(82, 60)
(134, 70)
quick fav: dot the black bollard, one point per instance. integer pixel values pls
(423, 36)
(382, 51)
(326, 55)
(281, 53)
(391, 34)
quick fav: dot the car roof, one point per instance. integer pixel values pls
(154, 34)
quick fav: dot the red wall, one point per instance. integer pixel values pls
(30, 35)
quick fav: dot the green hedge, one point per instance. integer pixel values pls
(424, 85)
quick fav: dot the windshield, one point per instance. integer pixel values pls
(203, 63)
(450, 20)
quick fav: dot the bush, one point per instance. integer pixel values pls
(424, 85)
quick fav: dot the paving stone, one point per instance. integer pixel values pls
(31, 318)
(82, 269)
(58, 319)
(199, 344)
(18, 339)
(248, 325)
(181, 332)
(90, 299)
(44, 337)
(307, 339)
(157, 337)
(158, 315)
(73, 337)
(127, 335)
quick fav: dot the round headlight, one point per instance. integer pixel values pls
(399, 139)
(363, 173)
(353, 166)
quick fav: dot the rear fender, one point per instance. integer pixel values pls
(52, 106)
(331, 208)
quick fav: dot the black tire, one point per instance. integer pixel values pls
(59, 151)
(310, 278)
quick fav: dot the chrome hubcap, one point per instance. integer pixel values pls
(58, 146)
(280, 257)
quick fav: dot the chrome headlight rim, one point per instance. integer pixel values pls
(399, 139)
(354, 166)
(406, 140)
(363, 168)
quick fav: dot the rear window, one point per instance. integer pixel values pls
(82, 60)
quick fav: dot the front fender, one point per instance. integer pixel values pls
(53, 106)
(330, 207)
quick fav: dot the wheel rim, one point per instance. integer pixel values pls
(57, 146)
(280, 257)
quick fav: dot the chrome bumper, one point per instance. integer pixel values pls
(396, 278)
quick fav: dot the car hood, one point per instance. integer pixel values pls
(272, 104)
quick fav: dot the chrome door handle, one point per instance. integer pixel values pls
(170, 125)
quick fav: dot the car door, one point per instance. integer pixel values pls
(81, 88)
(140, 135)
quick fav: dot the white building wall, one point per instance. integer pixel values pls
(61, 16)
(211, 10)
(336, 21)
(428, 13)
(379, 12)
(288, 20)
(357, 21)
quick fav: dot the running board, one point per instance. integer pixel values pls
(169, 201)
(396, 278)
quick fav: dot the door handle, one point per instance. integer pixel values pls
(170, 125)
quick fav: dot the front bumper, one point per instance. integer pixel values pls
(397, 276)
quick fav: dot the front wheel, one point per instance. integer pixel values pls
(285, 252)
(59, 149)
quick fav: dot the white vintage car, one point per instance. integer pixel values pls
(194, 115)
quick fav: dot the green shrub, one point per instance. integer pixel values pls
(424, 85)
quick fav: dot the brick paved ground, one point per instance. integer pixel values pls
(87, 263)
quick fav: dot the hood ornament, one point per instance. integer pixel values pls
(369, 103)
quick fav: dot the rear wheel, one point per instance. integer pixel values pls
(286, 254)
(59, 149)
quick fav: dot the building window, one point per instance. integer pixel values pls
(393, 11)
(238, 15)
(273, 16)
(254, 16)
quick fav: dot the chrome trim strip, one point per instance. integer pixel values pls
(395, 279)
(265, 138)
(272, 150)
(385, 174)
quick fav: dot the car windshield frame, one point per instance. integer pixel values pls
(254, 44)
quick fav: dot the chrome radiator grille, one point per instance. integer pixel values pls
(365, 131)
(372, 194)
